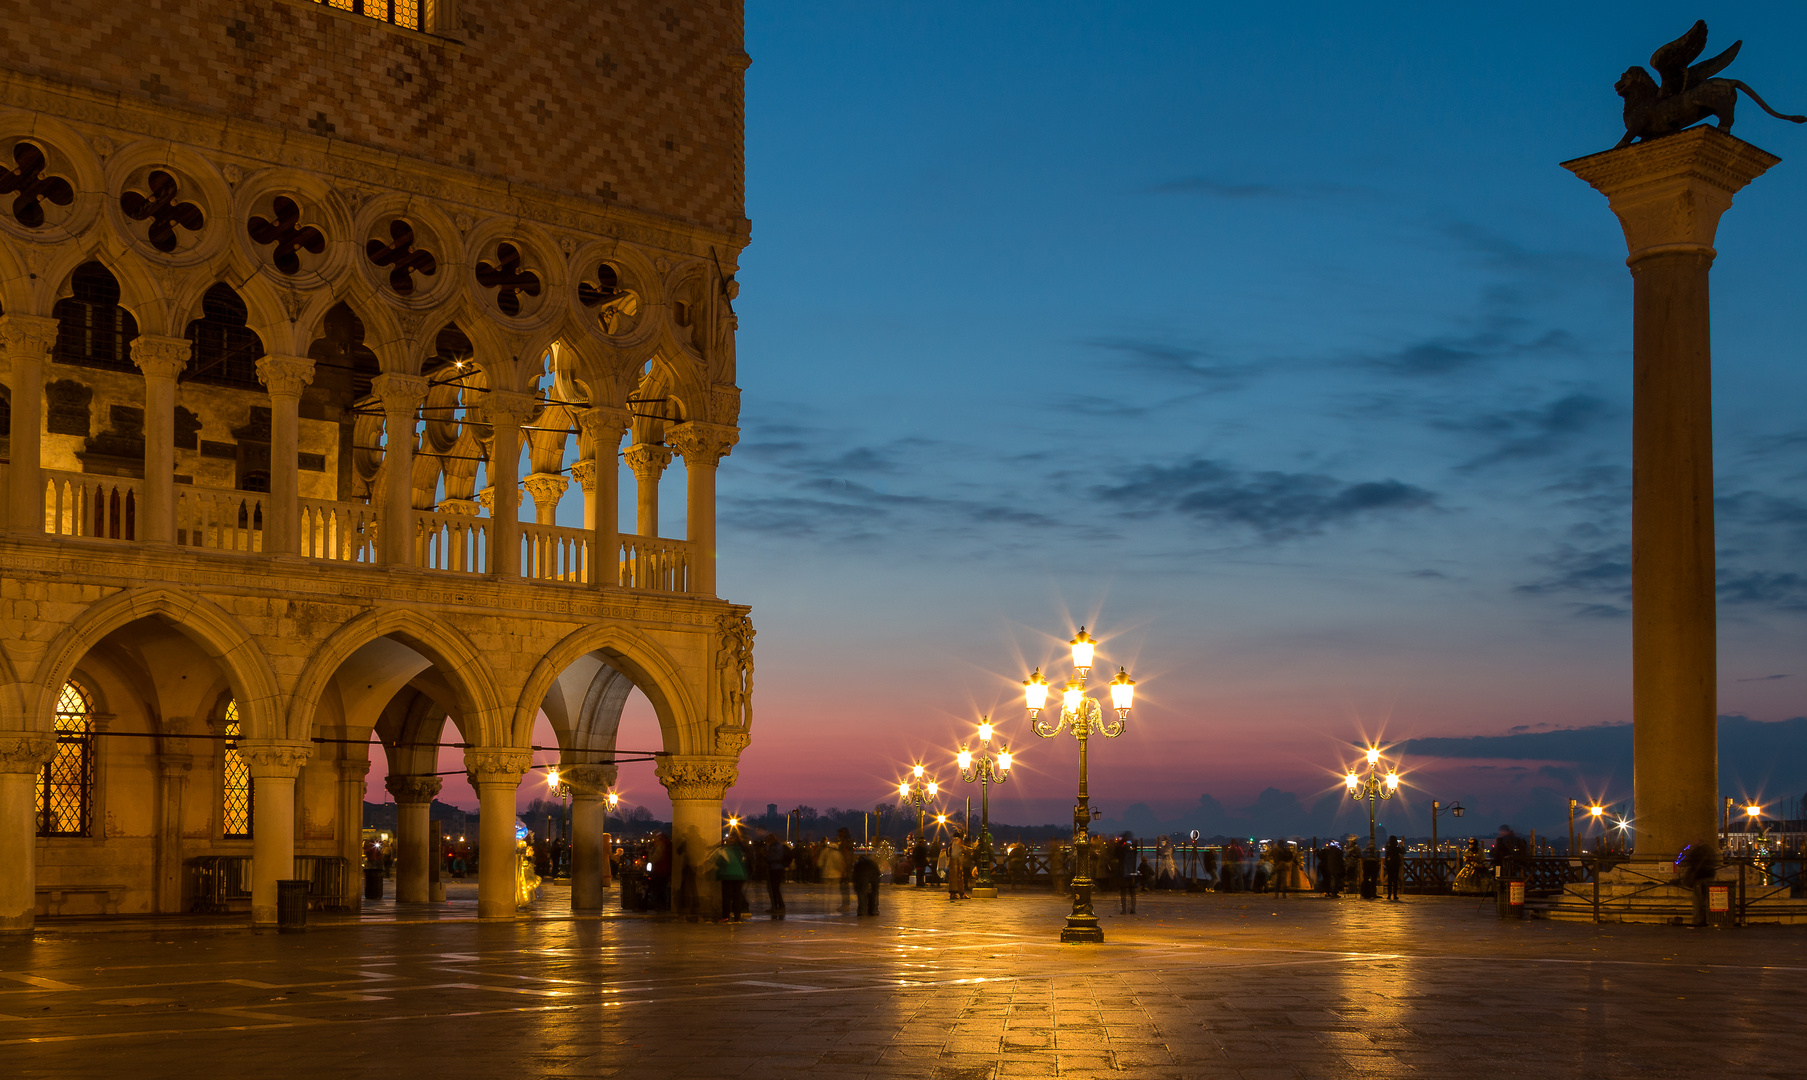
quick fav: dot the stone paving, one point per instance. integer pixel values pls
(1193, 986)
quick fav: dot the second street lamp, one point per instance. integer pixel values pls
(986, 770)
(919, 790)
(1082, 716)
(1373, 787)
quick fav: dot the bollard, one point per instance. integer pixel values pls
(373, 883)
(291, 906)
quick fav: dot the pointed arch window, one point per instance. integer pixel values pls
(66, 784)
(92, 329)
(235, 775)
(226, 350)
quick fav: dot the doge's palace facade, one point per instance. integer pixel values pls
(296, 300)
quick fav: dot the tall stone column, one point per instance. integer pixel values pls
(162, 360)
(22, 754)
(605, 425)
(589, 784)
(648, 460)
(284, 377)
(413, 855)
(696, 785)
(496, 774)
(352, 775)
(507, 410)
(1668, 195)
(273, 767)
(173, 769)
(28, 340)
(546, 490)
(401, 396)
(703, 446)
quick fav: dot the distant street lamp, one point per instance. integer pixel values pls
(1372, 787)
(986, 770)
(564, 821)
(1081, 715)
(918, 789)
(1454, 809)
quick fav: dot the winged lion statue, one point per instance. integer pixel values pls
(1688, 94)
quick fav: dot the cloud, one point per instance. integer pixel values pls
(1211, 187)
(1519, 434)
(1786, 590)
(1448, 354)
(1599, 571)
(1277, 505)
(1168, 360)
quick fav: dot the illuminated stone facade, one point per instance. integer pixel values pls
(295, 303)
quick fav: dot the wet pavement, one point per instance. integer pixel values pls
(1192, 986)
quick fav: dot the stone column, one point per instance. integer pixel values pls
(589, 833)
(173, 769)
(703, 446)
(648, 460)
(605, 424)
(696, 785)
(401, 396)
(506, 410)
(413, 855)
(273, 767)
(22, 754)
(546, 489)
(1668, 195)
(27, 339)
(284, 377)
(352, 774)
(162, 360)
(496, 774)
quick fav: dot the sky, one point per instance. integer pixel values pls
(1271, 344)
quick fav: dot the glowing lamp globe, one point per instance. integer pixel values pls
(1392, 781)
(1753, 810)
(903, 790)
(984, 730)
(1083, 645)
(1035, 691)
(1596, 810)
(965, 758)
(1351, 782)
(1374, 757)
(934, 789)
(551, 777)
(1004, 760)
(1123, 691)
(1072, 696)
(917, 772)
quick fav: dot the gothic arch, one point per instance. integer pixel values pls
(214, 631)
(681, 722)
(450, 651)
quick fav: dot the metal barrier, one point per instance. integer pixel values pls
(224, 880)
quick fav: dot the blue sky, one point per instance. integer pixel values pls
(1270, 343)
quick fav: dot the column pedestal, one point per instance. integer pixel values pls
(413, 854)
(22, 754)
(1668, 195)
(273, 768)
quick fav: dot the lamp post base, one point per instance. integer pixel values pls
(984, 892)
(1082, 928)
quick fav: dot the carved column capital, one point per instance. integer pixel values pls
(275, 760)
(496, 766)
(354, 770)
(588, 781)
(691, 777)
(1669, 193)
(546, 488)
(465, 507)
(161, 357)
(486, 500)
(584, 472)
(509, 407)
(28, 336)
(702, 444)
(401, 395)
(604, 425)
(648, 460)
(25, 751)
(412, 789)
(285, 376)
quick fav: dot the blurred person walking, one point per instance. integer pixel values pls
(1395, 866)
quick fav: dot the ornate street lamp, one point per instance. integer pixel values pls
(1456, 809)
(1081, 715)
(918, 789)
(1372, 787)
(986, 770)
(564, 819)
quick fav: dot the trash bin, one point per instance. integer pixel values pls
(1719, 906)
(291, 906)
(1509, 894)
(373, 883)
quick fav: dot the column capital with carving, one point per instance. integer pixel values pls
(412, 789)
(354, 770)
(584, 472)
(695, 777)
(25, 751)
(588, 781)
(702, 444)
(604, 425)
(400, 394)
(546, 488)
(161, 357)
(648, 460)
(28, 335)
(285, 376)
(1669, 193)
(275, 760)
(509, 407)
(496, 765)
(464, 507)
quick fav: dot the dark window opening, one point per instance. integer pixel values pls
(226, 351)
(92, 329)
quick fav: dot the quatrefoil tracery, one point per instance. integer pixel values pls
(31, 188)
(288, 234)
(401, 256)
(161, 209)
(508, 279)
